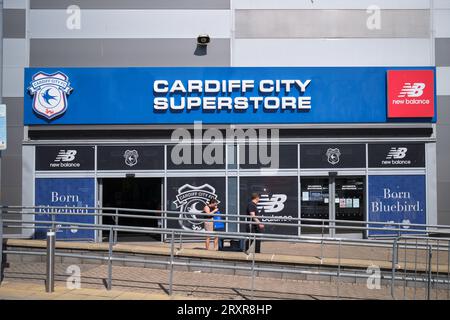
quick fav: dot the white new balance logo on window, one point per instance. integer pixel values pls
(273, 204)
(412, 90)
(397, 153)
(66, 155)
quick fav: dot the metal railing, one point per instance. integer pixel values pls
(320, 224)
(404, 239)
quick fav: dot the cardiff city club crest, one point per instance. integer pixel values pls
(49, 93)
(333, 155)
(191, 201)
(131, 157)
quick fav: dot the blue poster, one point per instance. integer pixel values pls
(397, 199)
(66, 192)
(2, 127)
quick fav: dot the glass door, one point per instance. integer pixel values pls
(332, 199)
(349, 203)
(315, 205)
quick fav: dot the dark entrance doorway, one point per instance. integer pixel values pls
(133, 193)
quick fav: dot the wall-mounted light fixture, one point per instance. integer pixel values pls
(203, 39)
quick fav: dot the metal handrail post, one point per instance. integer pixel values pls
(397, 250)
(253, 267)
(110, 252)
(164, 225)
(53, 222)
(323, 226)
(437, 270)
(404, 268)
(430, 248)
(321, 250)
(50, 265)
(415, 269)
(117, 223)
(339, 268)
(448, 271)
(99, 231)
(171, 264)
(394, 259)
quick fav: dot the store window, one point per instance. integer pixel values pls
(196, 157)
(282, 156)
(232, 155)
(397, 155)
(278, 203)
(315, 204)
(397, 199)
(188, 195)
(332, 156)
(232, 204)
(130, 158)
(65, 158)
(65, 192)
(349, 203)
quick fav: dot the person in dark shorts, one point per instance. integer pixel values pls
(252, 212)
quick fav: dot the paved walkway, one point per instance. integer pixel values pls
(26, 281)
(20, 290)
(331, 251)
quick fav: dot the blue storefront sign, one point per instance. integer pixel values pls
(66, 192)
(397, 199)
(221, 95)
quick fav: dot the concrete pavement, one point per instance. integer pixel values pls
(26, 281)
(20, 290)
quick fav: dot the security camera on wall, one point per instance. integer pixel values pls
(203, 39)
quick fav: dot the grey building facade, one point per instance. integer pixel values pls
(106, 33)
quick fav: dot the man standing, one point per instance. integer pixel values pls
(252, 213)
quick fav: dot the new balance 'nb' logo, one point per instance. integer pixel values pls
(273, 204)
(66, 155)
(412, 90)
(397, 153)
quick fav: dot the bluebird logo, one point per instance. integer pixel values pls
(131, 157)
(333, 155)
(50, 93)
(191, 200)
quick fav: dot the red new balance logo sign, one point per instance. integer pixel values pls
(412, 90)
(410, 93)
